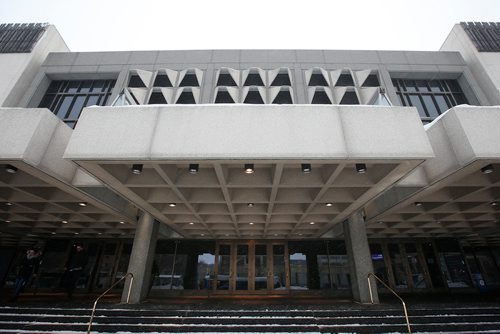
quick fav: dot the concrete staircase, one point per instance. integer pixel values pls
(345, 319)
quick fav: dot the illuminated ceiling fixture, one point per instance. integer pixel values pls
(306, 168)
(64, 221)
(8, 203)
(329, 204)
(191, 223)
(251, 223)
(250, 205)
(361, 168)
(82, 203)
(311, 223)
(172, 205)
(249, 169)
(193, 168)
(122, 222)
(11, 169)
(137, 169)
(494, 203)
(488, 169)
(418, 203)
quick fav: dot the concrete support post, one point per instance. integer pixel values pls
(358, 252)
(141, 259)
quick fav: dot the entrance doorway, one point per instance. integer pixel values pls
(251, 267)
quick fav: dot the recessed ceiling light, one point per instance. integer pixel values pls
(380, 222)
(494, 203)
(137, 169)
(249, 169)
(64, 222)
(300, 233)
(250, 205)
(361, 168)
(8, 203)
(306, 168)
(77, 233)
(11, 169)
(171, 205)
(311, 223)
(191, 223)
(193, 168)
(7, 221)
(202, 235)
(329, 204)
(251, 223)
(418, 203)
(99, 233)
(53, 233)
(488, 169)
(438, 222)
(275, 235)
(122, 222)
(82, 203)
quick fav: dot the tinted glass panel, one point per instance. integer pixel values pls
(430, 106)
(162, 80)
(225, 79)
(283, 97)
(371, 81)
(282, 79)
(320, 97)
(223, 97)
(189, 80)
(157, 98)
(317, 79)
(345, 80)
(253, 97)
(136, 82)
(350, 98)
(254, 79)
(186, 98)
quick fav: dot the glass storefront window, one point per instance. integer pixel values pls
(224, 265)
(260, 279)
(379, 267)
(397, 267)
(298, 271)
(279, 278)
(242, 267)
(417, 272)
(205, 270)
(104, 275)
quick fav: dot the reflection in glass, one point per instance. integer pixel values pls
(224, 265)
(334, 272)
(104, 277)
(397, 267)
(279, 278)
(298, 271)
(260, 267)
(242, 267)
(417, 272)
(454, 269)
(205, 270)
(378, 263)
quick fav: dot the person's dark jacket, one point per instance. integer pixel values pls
(29, 266)
(78, 261)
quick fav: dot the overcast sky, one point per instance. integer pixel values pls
(102, 25)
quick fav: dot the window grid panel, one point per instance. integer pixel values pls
(66, 99)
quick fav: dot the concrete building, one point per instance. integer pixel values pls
(272, 172)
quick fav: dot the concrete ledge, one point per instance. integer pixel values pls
(184, 132)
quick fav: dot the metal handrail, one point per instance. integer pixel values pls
(105, 292)
(393, 292)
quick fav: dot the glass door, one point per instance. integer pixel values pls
(251, 267)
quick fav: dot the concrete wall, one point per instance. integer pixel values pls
(19, 69)
(485, 66)
(117, 65)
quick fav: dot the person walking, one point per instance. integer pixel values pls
(28, 268)
(74, 269)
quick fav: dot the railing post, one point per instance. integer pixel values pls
(105, 292)
(393, 292)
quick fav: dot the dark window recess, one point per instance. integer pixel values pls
(253, 97)
(344, 80)
(136, 82)
(349, 98)
(225, 79)
(283, 97)
(254, 79)
(157, 98)
(320, 97)
(162, 80)
(190, 80)
(430, 97)
(67, 98)
(282, 79)
(371, 81)
(223, 97)
(186, 97)
(317, 79)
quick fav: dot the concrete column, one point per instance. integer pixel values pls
(358, 252)
(141, 259)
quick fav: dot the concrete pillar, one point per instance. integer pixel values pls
(141, 259)
(360, 260)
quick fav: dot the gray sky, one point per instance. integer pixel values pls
(101, 25)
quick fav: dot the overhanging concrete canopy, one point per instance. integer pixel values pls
(46, 190)
(278, 199)
(448, 196)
